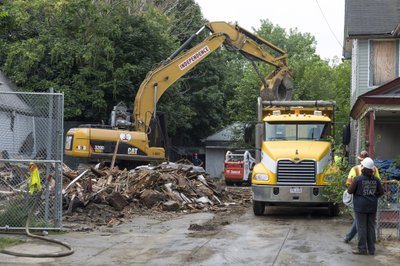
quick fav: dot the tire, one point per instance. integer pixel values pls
(228, 183)
(333, 210)
(258, 207)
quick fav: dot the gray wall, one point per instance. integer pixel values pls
(215, 160)
(387, 141)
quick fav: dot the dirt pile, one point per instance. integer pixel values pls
(105, 196)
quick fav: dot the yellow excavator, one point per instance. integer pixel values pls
(141, 136)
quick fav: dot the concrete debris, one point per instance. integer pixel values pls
(204, 200)
(108, 196)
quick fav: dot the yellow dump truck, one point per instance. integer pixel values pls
(293, 154)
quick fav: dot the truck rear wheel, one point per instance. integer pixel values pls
(258, 207)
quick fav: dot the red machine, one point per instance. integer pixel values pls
(238, 167)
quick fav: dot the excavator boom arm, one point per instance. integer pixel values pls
(161, 78)
(249, 44)
(233, 37)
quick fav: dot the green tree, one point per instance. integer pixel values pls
(95, 52)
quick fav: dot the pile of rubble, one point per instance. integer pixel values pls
(108, 196)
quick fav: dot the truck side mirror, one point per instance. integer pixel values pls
(346, 135)
(249, 133)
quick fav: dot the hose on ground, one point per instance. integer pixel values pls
(67, 252)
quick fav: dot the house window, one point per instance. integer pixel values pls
(383, 61)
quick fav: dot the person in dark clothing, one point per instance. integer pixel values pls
(196, 160)
(366, 190)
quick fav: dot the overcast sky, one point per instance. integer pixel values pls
(305, 15)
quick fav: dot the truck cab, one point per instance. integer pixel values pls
(294, 144)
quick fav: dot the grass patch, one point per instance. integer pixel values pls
(8, 241)
(15, 212)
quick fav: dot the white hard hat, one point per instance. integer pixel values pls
(368, 163)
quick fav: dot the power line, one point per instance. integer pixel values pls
(329, 26)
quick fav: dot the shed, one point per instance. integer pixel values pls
(216, 147)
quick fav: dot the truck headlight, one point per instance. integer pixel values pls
(328, 178)
(261, 177)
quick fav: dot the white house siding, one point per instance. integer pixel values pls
(363, 67)
(354, 71)
(11, 140)
(12, 108)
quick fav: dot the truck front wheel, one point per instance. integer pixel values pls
(249, 179)
(258, 207)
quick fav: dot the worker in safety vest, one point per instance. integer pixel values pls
(354, 172)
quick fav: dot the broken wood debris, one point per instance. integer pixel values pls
(169, 187)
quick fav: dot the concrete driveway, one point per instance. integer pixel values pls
(284, 236)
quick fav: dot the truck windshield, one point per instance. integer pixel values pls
(296, 131)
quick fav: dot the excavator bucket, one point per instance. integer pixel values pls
(279, 86)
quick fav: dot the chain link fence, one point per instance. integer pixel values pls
(388, 214)
(31, 137)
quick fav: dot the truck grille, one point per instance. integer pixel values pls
(302, 172)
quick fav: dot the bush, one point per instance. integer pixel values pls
(334, 192)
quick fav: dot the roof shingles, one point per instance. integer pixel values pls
(371, 17)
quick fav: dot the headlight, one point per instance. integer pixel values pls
(328, 178)
(261, 177)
